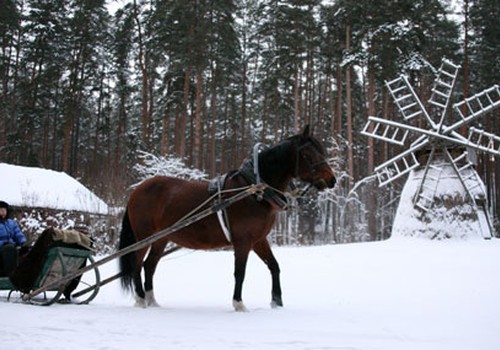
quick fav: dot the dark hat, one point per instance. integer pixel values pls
(6, 206)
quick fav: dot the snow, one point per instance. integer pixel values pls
(43, 188)
(403, 293)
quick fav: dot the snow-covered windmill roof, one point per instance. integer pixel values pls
(42, 188)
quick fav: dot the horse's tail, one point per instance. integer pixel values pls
(128, 262)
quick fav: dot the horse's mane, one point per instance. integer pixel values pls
(278, 163)
(283, 154)
(278, 157)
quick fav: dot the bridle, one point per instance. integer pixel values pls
(312, 167)
(251, 171)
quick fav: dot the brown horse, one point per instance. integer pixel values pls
(159, 202)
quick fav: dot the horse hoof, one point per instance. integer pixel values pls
(276, 303)
(153, 304)
(140, 302)
(150, 299)
(239, 306)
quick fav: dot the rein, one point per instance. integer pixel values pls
(212, 197)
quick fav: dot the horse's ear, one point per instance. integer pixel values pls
(307, 132)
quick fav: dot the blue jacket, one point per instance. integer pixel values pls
(11, 233)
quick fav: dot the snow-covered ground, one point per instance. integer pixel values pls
(399, 294)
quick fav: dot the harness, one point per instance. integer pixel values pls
(249, 169)
(276, 199)
(215, 186)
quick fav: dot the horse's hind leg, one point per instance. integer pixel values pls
(263, 250)
(150, 264)
(140, 296)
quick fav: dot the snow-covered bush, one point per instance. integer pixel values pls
(103, 229)
(152, 165)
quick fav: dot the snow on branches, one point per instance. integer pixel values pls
(152, 165)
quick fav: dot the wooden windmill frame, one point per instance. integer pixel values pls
(439, 137)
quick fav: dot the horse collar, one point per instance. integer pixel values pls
(259, 147)
(251, 172)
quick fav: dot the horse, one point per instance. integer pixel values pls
(161, 201)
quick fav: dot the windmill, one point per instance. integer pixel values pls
(439, 140)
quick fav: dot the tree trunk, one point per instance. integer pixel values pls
(197, 146)
(338, 129)
(181, 133)
(243, 143)
(350, 155)
(331, 107)
(142, 57)
(296, 103)
(98, 120)
(309, 89)
(466, 62)
(165, 133)
(372, 196)
(323, 95)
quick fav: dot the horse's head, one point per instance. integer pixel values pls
(311, 165)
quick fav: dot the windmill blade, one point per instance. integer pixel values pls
(399, 126)
(443, 87)
(476, 106)
(467, 175)
(395, 168)
(478, 139)
(406, 99)
(399, 165)
(484, 141)
(424, 197)
(380, 129)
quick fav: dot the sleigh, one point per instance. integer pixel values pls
(40, 276)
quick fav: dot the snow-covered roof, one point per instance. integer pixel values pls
(43, 188)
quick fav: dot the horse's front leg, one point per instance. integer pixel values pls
(263, 250)
(240, 263)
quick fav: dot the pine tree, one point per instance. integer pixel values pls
(485, 72)
(9, 35)
(484, 16)
(43, 58)
(87, 30)
(123, 39)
